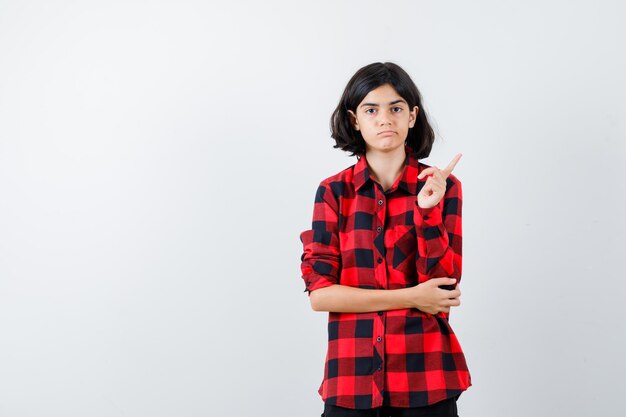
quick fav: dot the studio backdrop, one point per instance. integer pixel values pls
(158, 161)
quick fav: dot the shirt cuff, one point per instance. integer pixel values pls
(315, 282)
(428, 216)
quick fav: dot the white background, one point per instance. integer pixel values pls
(158, 161)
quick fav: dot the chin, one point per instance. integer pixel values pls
(392, 146)
(382, 145)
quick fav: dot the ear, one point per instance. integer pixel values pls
(413, 116)
(353, 120)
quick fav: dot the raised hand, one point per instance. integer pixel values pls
(432, 192)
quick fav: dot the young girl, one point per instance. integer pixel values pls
(383, 257)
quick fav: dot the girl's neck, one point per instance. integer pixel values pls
(386, 167)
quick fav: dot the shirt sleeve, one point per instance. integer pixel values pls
(439, 235)
(321, 257)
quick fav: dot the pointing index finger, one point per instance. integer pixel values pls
(448, 170)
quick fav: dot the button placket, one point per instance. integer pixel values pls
(379, 207)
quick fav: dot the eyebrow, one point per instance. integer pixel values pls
(390, 103)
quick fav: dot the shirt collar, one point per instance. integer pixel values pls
(361, 172)
(407, 180)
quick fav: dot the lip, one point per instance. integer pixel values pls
(387, 133)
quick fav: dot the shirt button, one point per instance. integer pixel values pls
(380, 367)
(380, 260)
(380, 313)
(378, 339)
(380, 202)
(379, 229)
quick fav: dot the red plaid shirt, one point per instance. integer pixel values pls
(364, 237)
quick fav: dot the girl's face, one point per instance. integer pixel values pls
(384, 119)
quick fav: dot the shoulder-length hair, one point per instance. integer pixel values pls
(420, 137)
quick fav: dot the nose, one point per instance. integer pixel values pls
(384, 119)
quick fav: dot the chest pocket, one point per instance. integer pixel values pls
(404, 248)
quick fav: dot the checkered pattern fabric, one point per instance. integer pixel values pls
(364, 237)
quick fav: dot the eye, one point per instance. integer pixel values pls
(397, 109)
(367, 111)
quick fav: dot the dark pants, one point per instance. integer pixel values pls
(445, 408)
